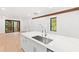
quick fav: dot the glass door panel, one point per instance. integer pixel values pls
(16, 26)
(8, 26)
(12, 26)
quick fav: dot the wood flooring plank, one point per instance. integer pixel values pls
(10, 42)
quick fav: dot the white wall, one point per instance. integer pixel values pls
(67, 24)
(23, 24)
(2, 25)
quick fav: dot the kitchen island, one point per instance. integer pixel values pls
(58, 44)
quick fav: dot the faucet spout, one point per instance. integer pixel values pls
(41, 29)
(44, 33)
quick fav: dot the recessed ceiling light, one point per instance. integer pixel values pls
(2, 8)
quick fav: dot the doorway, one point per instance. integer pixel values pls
(12, 26)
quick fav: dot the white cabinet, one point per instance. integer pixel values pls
(31, 46)
(38, 47)
(26, 44)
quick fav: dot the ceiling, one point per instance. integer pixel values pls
(24, 12)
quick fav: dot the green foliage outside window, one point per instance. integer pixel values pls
(53, 24)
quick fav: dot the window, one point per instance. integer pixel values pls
(53, 24)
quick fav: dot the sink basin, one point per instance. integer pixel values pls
(42, 39)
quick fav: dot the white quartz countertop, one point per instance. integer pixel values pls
(59, 43)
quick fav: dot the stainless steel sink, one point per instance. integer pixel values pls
(42, 39)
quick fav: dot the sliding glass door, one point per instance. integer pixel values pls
(16, 26)
(8, 26)
(12, 26)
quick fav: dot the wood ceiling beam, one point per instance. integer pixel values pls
(60, 12)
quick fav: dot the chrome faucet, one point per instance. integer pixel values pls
(43, 31)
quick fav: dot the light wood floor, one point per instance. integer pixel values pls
(10, 42)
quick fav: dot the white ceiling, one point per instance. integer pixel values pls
(18, 12)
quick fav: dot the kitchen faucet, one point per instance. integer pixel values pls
(43, 31)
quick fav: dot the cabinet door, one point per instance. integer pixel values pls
(26, 44)
(23, 44)
(38, 47)
(31, 46)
